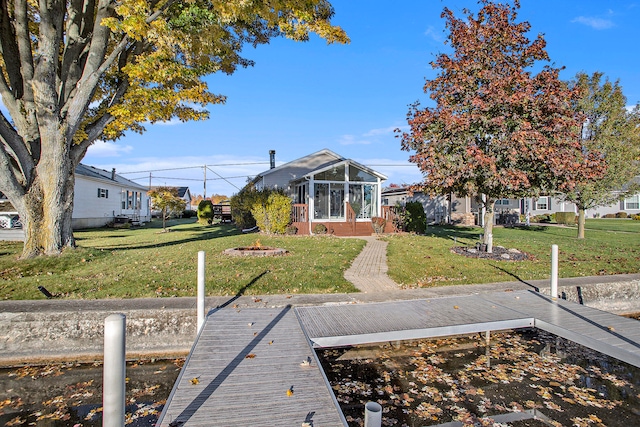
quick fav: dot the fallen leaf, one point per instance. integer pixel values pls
(250, 356)
(195, 380)
(290, 392)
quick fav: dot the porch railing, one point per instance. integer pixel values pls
(390, 214)
(351, 217)
(299, 212)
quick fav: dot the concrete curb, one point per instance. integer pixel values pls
(41, 331)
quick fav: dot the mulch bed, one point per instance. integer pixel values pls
(499, 253)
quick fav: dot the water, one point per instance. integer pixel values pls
(525, 378)
(61, 395)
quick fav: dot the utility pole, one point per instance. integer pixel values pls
(204, 196)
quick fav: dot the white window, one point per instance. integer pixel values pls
(503, 202)
(103, 193)
(632, 202)
(542, 204)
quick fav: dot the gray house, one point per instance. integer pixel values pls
(327, 189)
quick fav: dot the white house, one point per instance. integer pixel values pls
(102, 196)
(327, 189)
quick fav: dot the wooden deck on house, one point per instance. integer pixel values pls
(237, 389)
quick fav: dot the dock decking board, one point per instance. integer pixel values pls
(237, 391)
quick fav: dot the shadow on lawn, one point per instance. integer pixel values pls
(518, 278)
(212, 233)
(239, 293)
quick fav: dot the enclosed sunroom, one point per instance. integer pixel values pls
(328, 189)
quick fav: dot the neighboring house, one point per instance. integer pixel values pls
(436, 209)
(101, 197)
(183, 192)
(328, 189)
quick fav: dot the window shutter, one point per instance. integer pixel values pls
(98, 192)
(549, 206)
(622, 203)
(106, 193)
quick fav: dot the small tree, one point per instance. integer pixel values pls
(243, 202)
(415, 218)
(611, 132)
(205, 212)
(496, 130)
(167, 200)
(275, 215)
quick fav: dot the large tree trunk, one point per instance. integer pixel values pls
(488, 228)
(581, 222)
(48, 206)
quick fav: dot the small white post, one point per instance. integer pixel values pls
(201, 290)
(114, 371)
(372, 414)
(554, 271)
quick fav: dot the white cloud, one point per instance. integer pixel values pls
(353, 140)
(381, 131)
(397, 171)
(433, 34)
(225, 174)
(370, 136)
(595, 23)
(108, 149)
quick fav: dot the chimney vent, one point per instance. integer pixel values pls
(113, 174)
(272, 158)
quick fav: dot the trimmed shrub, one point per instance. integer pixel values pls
(319, 229)
(273, 216)
(291, 230)
(567, 218)
(622, 215)
(243, 202)
(188, 213)
(545, 219)
(415, 219)
(378, 224)
(636, 217)
(609, 216)
(205, 212)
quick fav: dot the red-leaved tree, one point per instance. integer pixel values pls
(497, 129)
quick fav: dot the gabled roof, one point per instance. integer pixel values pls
(181, 191)
(108, 176)
(349, 161)
(331, 159)
(307, 162)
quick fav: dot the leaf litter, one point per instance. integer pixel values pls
(71, 394)
(460, 379)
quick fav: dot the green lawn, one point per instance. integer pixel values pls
(627, 225)
(428, 261)
(142, 262)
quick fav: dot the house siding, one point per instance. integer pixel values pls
(91, 211)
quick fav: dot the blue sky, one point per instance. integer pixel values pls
(300, 98)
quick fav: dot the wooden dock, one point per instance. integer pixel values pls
(246, 360)
(251, 367)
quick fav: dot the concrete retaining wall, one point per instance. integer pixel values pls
(45, 337)
(51, 330)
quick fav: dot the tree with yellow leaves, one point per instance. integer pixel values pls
(78, 70)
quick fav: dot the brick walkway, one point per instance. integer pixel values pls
(368, 272)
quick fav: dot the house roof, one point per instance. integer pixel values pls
(344, 161)
(180, 190)
(108, 176)
(302, 160)
(332, 160)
